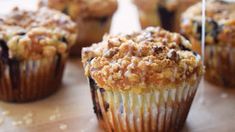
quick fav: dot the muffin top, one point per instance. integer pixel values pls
(220, 21)
(35, 34)
(141, 61)
(85, 8)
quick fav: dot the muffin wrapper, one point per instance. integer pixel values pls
(30, 80)
(160, 110)
(220, 65)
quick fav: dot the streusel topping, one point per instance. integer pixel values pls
(220, 22)
(152, 57)
(36, 34)
(78, 9)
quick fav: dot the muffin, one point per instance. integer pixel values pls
(93, 18)
(33, 49)
(145, 81)
(220, 39)
(162, 12)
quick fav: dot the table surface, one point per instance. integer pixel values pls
(70, 109)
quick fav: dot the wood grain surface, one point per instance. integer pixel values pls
(70, 108)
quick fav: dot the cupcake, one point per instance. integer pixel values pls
(220, 40)
(93, 18)
(162, 12)
(33, 49)
(145, 81)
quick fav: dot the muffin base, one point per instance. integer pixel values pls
(90, 31)
(220, 65)
(31, 80)
(160, 110)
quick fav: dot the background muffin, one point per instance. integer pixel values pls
(144, 81)
(220, 39)
(162, 12)
(93, 18)
(34, 48)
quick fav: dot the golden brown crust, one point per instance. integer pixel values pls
(220, 22)
(152, 57)
(85, 8)
(34, 35)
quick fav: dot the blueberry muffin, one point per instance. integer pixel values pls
(220, 39)
(145, 81)
(33, 49)
(165, 13)
(93, 18)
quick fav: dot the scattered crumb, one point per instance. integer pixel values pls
(17, 123)
(1, 120)
(224, 95)
(52, 117)
(92, 120)
(28, 121)
(63, 126)
(5, 113)
(56, 114)
(28, 118)
(82, 130)
(202, 101)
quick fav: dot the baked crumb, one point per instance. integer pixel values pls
(17, 123)
(56, 115)
(63, 126)
(6, 113)
(224, 95)
(28, 118)
(1, 120)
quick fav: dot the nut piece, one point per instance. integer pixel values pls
(172, 55)
(110, 53)
(157, 49)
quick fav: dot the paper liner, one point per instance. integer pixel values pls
(220, 65)
(159, 111)
(31, 80)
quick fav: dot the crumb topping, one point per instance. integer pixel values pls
(78, 9)
(220, 22)
(35, 34)
(152, 57)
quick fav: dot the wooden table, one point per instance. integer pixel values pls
(70, 109)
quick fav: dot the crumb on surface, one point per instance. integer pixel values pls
(5, 113)
(63, 126)
(224, 95)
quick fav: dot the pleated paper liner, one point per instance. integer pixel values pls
(23, 81)
(220, 65)
(159, 111)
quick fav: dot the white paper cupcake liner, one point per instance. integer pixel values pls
(160, 110)
(220, 65)
(25, 81)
